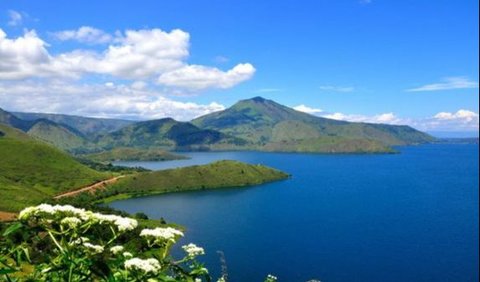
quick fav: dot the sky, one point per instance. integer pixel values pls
(399, 62)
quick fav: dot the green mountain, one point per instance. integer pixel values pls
(13, 121)
(86, 125)
(274, 127)
(59, 135)
(31, 170)
(168, 134)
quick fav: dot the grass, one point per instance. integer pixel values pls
(32, 171)
(220, 174)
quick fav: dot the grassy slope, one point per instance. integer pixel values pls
(133, 154)
(219, 174)
(58, 135)
(31, 170)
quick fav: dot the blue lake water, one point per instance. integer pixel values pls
(404, 217)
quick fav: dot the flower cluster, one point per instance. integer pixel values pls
(150, 265)
(193, 250)
(94, 248)
(71, 221)
(75, 216)
(159, 233)
(116, 249)
(271, 278)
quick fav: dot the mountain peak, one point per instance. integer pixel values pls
(258, 99)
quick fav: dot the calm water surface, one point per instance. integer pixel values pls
(406, 217)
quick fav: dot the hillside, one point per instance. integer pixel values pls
(13, 121)
(167, 134)
(59, 135)
(31, 170)
(133, 154)
(271, 126)
(220, 174)
(85, 125)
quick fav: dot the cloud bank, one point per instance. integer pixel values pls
(150, 54)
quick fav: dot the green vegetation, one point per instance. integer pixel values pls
(329, 144)
(60, 136)
(274, 127)
(216, 175)
(252, 124)
(133, 154)
(32, 171)
(167, 134)
(13, 121)
(89, 127)
(64, 243)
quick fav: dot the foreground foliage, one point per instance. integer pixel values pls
(64, 243)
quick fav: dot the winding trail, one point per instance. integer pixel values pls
(91, 188)
(7, 216)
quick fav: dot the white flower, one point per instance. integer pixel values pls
(221, 279)
(80, 240)
(271, 278)
(116, 249)
(71, 222)
(168, 233)
(193, 250)
(198, 280)
(150, 265)
(95, 248)
(27, 212)
(127, 254)
(122, 223)
(51, 210)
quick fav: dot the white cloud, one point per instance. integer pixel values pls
(388, 118)
(448, 84)
(462, 120)
(336, 88)
(153, 55)
(25, 56)
(15, 18)
(98, 100)
(200, 77)
(85, 34)
(306, 109)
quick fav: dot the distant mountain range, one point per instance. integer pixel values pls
(252, 124)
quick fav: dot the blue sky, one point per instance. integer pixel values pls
(413, 62)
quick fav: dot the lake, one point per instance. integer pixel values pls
(411, 216)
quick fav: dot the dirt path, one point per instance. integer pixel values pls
(7, 216)
(91, 188)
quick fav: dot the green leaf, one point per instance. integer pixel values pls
(7, 271)
(12, 228)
